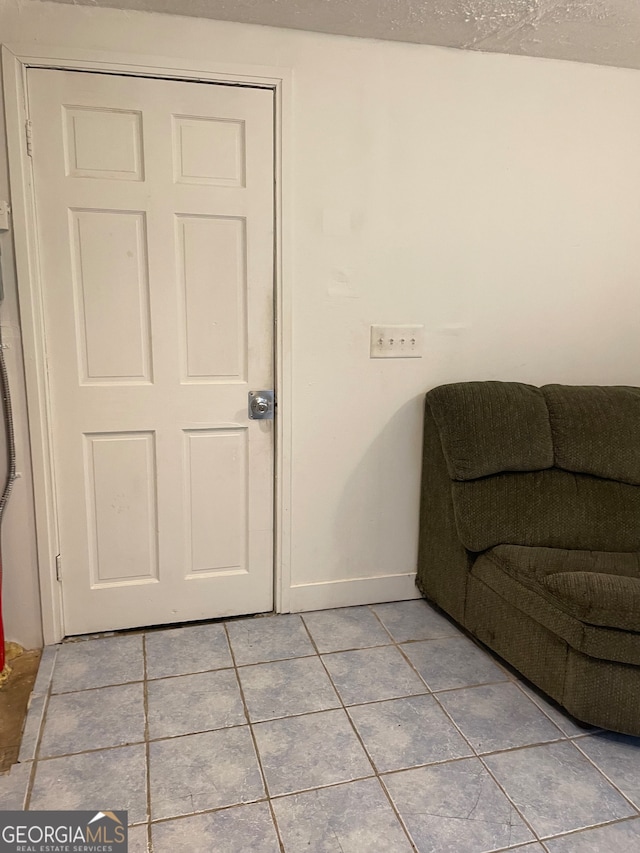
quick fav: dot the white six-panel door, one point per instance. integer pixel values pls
(154, 203)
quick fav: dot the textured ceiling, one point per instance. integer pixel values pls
(606, 32)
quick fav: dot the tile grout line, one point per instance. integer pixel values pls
(263, 775)
(147, 750)
(361, 742)
(584, 829)
(100, 687)
(176, 817)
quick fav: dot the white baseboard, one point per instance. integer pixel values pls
(347, 593)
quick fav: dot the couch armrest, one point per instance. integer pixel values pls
(443, 562)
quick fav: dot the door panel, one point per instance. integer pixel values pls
(154, 203)
(111, 291)
(205, 243)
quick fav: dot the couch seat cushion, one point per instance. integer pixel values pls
(596, 587)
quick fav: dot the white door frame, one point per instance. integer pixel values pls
(16, 59)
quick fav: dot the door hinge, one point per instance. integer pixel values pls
(29, 134)
(58, 568)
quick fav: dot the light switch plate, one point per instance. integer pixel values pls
(396, 341)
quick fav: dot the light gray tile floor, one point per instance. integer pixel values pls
(235, 830)
(138, 839)
(206, 771)
(180, 651)
(194, 703)
(287, 688)
(355, 816)
(98, 663)
(310, 751)
(571, 727)
(413, 620)
(455, 806)
(408, 732)
(380, 729)
(453, 662)
(114, 776)
(475, 709)
(618, 757)
(266, 639)
(371, 675)
(347, 628)
(557, 789)
(93, 719)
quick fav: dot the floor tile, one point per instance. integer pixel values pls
(562, 719)
(31, 729)
(286, 688)
(453, 662)
(269, 638)
(370, 675)
(345, 628)
(414, 620)
(93, 719)
(455, 807)
(179, 651)
(310, 751)
(534, 847)
(194, 703)
(98, 663)
(111, 778)
(13, 787)
(45, 670)
(204, 771)
(616, 838)
(498, 716)
(618, 756)
(556, 788)
(235, 830)
(138, 839)
(403, 733)
(354, 817)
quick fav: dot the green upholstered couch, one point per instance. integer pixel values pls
(530, 534)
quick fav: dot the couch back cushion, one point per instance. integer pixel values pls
(556, 467)
(596, 430)
(490, 427)
(552, 509)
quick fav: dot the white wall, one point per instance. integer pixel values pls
(496, 199)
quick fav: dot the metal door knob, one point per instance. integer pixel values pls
(259, 405)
